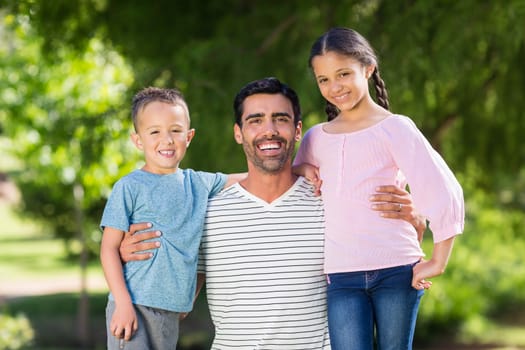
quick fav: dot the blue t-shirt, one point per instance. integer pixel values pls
(176, 205)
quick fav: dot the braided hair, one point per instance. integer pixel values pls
(348, 42)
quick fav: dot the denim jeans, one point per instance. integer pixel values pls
(382, 299)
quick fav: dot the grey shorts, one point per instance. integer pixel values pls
(157, 329)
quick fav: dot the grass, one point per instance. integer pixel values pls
(28, 254)
(30, 258)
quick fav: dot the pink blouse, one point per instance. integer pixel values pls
(352, 165)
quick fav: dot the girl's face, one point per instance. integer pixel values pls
(163, 134)
(342, 80)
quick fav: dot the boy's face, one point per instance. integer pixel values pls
(163, 134)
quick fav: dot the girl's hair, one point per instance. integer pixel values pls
(348, 42)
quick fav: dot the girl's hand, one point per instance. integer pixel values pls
(435, 266)
(311, 173)
(421, 271)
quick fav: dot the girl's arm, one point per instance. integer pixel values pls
(311, 173)
(124, 321)
(435, 266)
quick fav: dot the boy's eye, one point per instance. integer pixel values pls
(153, 132)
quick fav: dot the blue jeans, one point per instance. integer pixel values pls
(360, 301)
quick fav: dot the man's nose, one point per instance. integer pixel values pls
(270, 129)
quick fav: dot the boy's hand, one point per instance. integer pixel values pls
(132, 245)
(124, 322)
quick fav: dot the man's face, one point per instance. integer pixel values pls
(268, 133)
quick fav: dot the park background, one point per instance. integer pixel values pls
(68, 70)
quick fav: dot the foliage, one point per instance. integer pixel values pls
(485, 270)
(61, 68)
(68, 68)
(15, 332)
(67, 123)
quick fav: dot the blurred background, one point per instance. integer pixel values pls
(68, 70)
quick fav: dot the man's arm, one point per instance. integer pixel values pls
(132, 245)
(395, 203)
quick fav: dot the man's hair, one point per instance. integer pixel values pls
(155, 94)
(266, 86)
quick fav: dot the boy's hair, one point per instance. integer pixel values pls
(348, 42)
(266, 86)
(155, 94)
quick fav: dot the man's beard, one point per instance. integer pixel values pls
(268, 165)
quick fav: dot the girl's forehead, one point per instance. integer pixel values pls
(333, 61)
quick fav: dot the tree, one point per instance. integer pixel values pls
(455, 75)
(67, 70)
(66, 122)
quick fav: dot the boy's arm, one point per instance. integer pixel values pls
(124, 322)
(234, 178)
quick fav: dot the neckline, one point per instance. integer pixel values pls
(370, 127)
(276, 201)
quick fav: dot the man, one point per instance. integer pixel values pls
(262, 245)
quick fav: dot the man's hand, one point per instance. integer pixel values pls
(396, 203)
(132, 245)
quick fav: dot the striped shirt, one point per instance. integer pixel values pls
(264, 270)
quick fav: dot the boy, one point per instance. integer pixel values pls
(147, 297)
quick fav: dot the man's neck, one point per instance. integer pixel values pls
(268, 187)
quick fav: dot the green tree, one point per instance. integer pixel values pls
(66, 122)
(450, 65)
(68, 68)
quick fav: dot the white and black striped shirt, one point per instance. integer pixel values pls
(264, 270)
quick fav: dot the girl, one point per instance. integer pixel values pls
(374, 265)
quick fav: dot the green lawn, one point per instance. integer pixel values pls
(28, 254)
(30, 259)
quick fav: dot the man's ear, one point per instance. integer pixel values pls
(298, 131)
(135, 138)
(237, 133)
